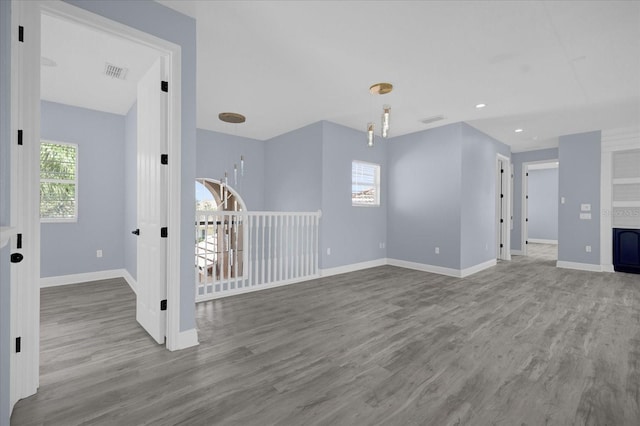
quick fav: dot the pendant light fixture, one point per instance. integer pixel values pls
(386, 113)
(232, 118)
(370, 128)
(380, 89)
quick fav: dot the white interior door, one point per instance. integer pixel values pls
(151, 287)
(503, 209)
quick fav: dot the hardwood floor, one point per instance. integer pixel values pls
(523, 343)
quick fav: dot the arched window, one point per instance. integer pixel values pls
(209, 197)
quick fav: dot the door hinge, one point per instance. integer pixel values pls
(501, 220)
(164, 159)
(18, 344)
(526, 220)
(163, 232)
(501, 170)
(501, 245)
(527, 174)
(527, 197)
(501, 195)
(19, 241)
(20, 33)
(163, 305)
(20, 137)
(526, 242)
(16, 257)
(164, 86)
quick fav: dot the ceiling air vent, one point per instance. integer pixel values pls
(433, 119)
(114, 71)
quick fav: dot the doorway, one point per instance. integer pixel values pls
(540, 209)
(25, 276)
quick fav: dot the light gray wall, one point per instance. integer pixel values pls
(130, 190)
(293, 170)
(217, 152)
(579, 177)
(165, 23)
(478, 222)
(5, 185)
(70, 248)
(517, 159)
(424, 206)
(353, 233)
(543, 204)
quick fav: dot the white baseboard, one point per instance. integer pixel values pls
(580, 266)
(457, 273)
(352, 267)
(517, 253)
(607, 268)
(477, 268)
(424, 267)
(130, 280)
(81, 278)
(541, 241)
(186, 339)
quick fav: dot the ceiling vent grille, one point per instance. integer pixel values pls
(114, 71)
(433, 119)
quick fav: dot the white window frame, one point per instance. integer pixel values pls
(75, 181)
(377, 167)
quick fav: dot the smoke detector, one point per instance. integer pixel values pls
(115, 71)
(433, 119)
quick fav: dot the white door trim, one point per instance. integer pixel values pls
(25, 101)
(173, 52)
(524, 229)
(503, 229)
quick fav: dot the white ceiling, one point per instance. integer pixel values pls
(551, 68)
(80, 54)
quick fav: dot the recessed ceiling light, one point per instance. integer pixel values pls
(481, 106)
(519, 130)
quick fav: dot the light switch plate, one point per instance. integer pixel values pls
(585, 207)
(585, 216)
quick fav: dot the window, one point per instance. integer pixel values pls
(365, 184)
(58, 182)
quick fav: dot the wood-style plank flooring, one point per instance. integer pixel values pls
(542, 251)
(522, 343)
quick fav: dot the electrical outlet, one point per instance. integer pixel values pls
(588, 249)
(437, 250)
(98, 253)
(328, 251)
